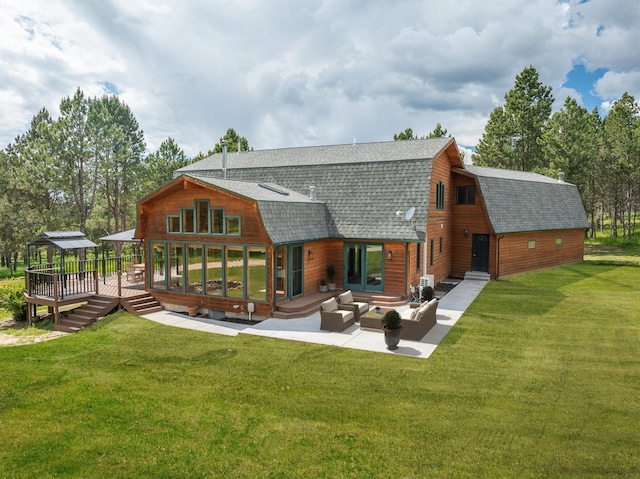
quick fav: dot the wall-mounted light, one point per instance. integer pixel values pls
(389, 254)
(466, 232)
(310, 254)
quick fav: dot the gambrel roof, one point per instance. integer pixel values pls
(360, 188)
(362, 185)
(518, 201)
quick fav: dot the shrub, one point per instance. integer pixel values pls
(427, 293)
(391, 319)
(12, 299)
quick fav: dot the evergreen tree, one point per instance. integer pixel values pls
(511, 137)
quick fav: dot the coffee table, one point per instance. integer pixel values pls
(373, 318)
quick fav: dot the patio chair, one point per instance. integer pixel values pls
(359, 307)
(335, 317)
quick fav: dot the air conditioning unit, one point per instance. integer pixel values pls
(427, 280)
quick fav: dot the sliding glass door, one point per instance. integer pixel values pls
(364, 266)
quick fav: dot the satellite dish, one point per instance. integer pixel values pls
(409, 214)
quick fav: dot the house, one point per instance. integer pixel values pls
(250, 232)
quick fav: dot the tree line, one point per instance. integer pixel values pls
(83, 171)
(87, 169)
(599, 154)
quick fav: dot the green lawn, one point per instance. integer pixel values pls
(540, 378)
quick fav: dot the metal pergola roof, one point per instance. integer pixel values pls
(122, 237)
(63, 239)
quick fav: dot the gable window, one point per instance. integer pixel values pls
(202, 211)
(217, 221)
(233, 225)
(440, 195)
(202, 219)
(187, 220)
(466, 195)
(173, 224)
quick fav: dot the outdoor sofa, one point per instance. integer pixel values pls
(416, 322)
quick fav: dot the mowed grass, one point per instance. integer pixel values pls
(539, 378)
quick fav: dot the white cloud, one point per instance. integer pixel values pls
(286, 73)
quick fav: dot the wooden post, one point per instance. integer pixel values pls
(56, 310)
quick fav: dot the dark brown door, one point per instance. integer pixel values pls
(480, 261)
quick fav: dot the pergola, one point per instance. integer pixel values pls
(63, 240)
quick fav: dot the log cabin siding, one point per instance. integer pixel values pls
(516, 256)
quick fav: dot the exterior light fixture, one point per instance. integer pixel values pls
(389, 254)
(466, 232)
(310, 254)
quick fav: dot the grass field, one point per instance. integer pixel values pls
(540, 378)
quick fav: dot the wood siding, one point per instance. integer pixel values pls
(440, 222)
(152, 226)
(469, 220)
(517, 257)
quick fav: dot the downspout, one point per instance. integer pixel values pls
(498, 258)
(406, 269)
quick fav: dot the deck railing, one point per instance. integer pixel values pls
(73, 278)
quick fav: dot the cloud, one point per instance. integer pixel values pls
(286, 73)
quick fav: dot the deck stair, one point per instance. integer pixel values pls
(141, 304)
(309, 304)
(96, 307)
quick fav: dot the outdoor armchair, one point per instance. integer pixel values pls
(335, 317)
(359, 307)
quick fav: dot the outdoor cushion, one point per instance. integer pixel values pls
(346, 297)
(330, 305)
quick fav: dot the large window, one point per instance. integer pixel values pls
(232, 271)
(440, 195)
(214, 271)
(235, 271)
(257, 273)
(194, 269)
(158, 259)
(466, 195)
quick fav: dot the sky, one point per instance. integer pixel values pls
(288, 73)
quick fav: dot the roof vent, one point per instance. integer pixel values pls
(273, 188)
(561, 177)
(312, 192)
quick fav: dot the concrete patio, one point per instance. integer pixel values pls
(307, 329)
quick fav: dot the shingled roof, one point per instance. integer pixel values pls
(518, 201)
(285, 213)
(362, 185)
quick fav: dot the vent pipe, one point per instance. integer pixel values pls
(224, 159)
(312, 192)
(561, 177)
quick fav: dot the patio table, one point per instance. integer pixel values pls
(373, 318)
